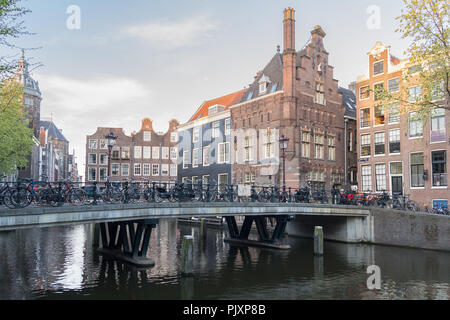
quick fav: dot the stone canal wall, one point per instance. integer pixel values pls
(382, 226)
(417, 230)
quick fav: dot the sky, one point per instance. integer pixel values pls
(161, 59)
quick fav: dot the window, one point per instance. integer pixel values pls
(437, 90)
(174, 137)
(115, 169)
(93, 144)
(415, 93)
(438, 125)
(137, 152)
(195, 158)
(92, 174)
(165, 169)
(227, 126)
(379, 143)
(173, 170)
(318, 146)
(165, 153)
(186, 159)
(125, 153)
(155, 152)
(320, 95)
(174, 153)
(332, 148)
(206, 156)
(306, 138)
(378, 68)
(380, 177)
(147, 152)
(103, 159)
(147, 136)
(439, 164)
(365, 145)
(103, 144)
(366, 178)
(417, 170)
(125, 169)
(379, 115)
(224, 152)
(393, 85)
(268, 147)
(396, 168)
(394, 113)
(350, 141)
(137, 169)
(365, 118)
(394, 141)
(92, 158)
(155, 169)
(249, 178)
(196, 134)
(262, 87)
(205, 181)
(28, 101)
(248, 149)
(146, 169)
(415, 69)
(102, 173)
(364, 93)
(222, 181)
(216, 129)
(378, 91)
(415, 125)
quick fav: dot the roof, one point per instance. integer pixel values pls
(349, 100)
(53, 131)
(226, 101)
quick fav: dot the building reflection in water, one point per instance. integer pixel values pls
(60, 262)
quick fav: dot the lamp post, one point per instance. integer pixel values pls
(111, 138)
(283, 145)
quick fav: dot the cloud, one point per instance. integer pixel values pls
(172, 34)
(79, 106)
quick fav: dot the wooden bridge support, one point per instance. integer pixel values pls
(267, 239)
(128, 240)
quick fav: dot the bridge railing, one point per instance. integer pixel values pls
(25, 192)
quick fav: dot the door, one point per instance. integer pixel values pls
(397, 185)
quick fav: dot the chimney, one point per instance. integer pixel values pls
(317, 35)
(289, 53)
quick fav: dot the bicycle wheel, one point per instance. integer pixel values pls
(21, 198)
(77, 197)
(411, 206)
(263, 196)
(7, 199)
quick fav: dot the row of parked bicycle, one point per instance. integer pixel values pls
(27, 192)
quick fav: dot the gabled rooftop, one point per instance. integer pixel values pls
(53, 131)
(226, 101)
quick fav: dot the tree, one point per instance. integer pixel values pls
(427, 23)
(11, 27)
(16, 139)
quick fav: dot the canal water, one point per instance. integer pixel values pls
(60, 263)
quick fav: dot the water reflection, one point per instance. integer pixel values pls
(59, 263)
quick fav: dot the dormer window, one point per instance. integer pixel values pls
(263, 84)
(262, 87)
(216, 109)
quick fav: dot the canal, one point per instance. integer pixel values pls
(60, 263)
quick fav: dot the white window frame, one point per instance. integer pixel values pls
(137, 152)
(125, 165)
(155, 165)
(155, 152)
(147, 136)
(93, 144)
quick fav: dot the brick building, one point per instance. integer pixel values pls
(145, 154)
(295, 95)
(397, 151)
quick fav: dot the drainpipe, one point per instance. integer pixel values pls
(345, 153)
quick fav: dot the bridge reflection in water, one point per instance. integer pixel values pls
(60, 263)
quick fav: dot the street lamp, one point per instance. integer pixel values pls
(283, 145)
(111, 138)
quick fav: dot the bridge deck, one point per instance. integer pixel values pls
(32, 217)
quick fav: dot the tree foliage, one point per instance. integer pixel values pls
(11, 27)
(426, 23)
(16, 139)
